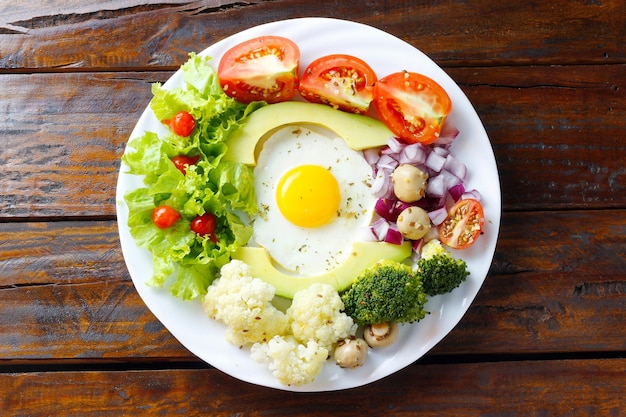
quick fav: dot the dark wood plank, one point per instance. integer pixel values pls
(66, 293)
(62, 139)
(557, 284)
(64, 134)
(90, 37)
(60, 253)
(82, 323)
(586, 388)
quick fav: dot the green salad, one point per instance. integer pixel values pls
(210, 185)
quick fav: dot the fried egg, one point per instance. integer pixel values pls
(314, 198)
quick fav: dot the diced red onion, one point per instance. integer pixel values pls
(433, 233)
(382, 185)
(449, 179)
(427, 203)
(447, 135)
(378, 182)
(413, 154)
(401, 206)
(471, 194)
(379, 228)
(386, 161)
(390, 208)
(448, 201)
(371, 155)
(435, 161)
(437, 216)
(441, 151)
(417, 245)
(394, 236)
(455, 166)
(436, 186)
(385, 208)
(457, 191)
(395, 145)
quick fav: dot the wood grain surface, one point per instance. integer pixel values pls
(546, 335)
(556, 388)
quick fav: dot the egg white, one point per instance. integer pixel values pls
(311, 251)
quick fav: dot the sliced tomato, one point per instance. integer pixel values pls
(412, 106)
(260, 69)
(463, 225)
(164, 217)
(341, 81)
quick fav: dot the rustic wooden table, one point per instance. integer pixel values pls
(546, 335)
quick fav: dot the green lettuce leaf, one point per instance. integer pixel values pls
(187, 261)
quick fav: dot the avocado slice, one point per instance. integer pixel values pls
(359, 131)
(363, 256)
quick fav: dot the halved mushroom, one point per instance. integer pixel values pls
(351, 353)
(380, 334)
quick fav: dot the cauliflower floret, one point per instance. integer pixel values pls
(243, 303)
(295, 344)
(291, 362)
(315, 313)
(432, 248)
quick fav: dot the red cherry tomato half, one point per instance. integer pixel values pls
(164, 217)
(260, 69)
(182, 123)
(463, 225)
(412, 106)
(183, 161)
(204, 226)
(341, 81)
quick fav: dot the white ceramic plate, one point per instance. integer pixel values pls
(386, 54)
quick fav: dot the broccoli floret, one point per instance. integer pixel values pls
(388, 292)
(441, 273)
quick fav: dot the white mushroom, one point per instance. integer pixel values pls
(351, 353)
(380, 334)
(409, 183)
(413, 223)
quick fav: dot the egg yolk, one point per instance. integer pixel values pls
(308, 196)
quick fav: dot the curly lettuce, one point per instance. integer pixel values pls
(223, 188)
